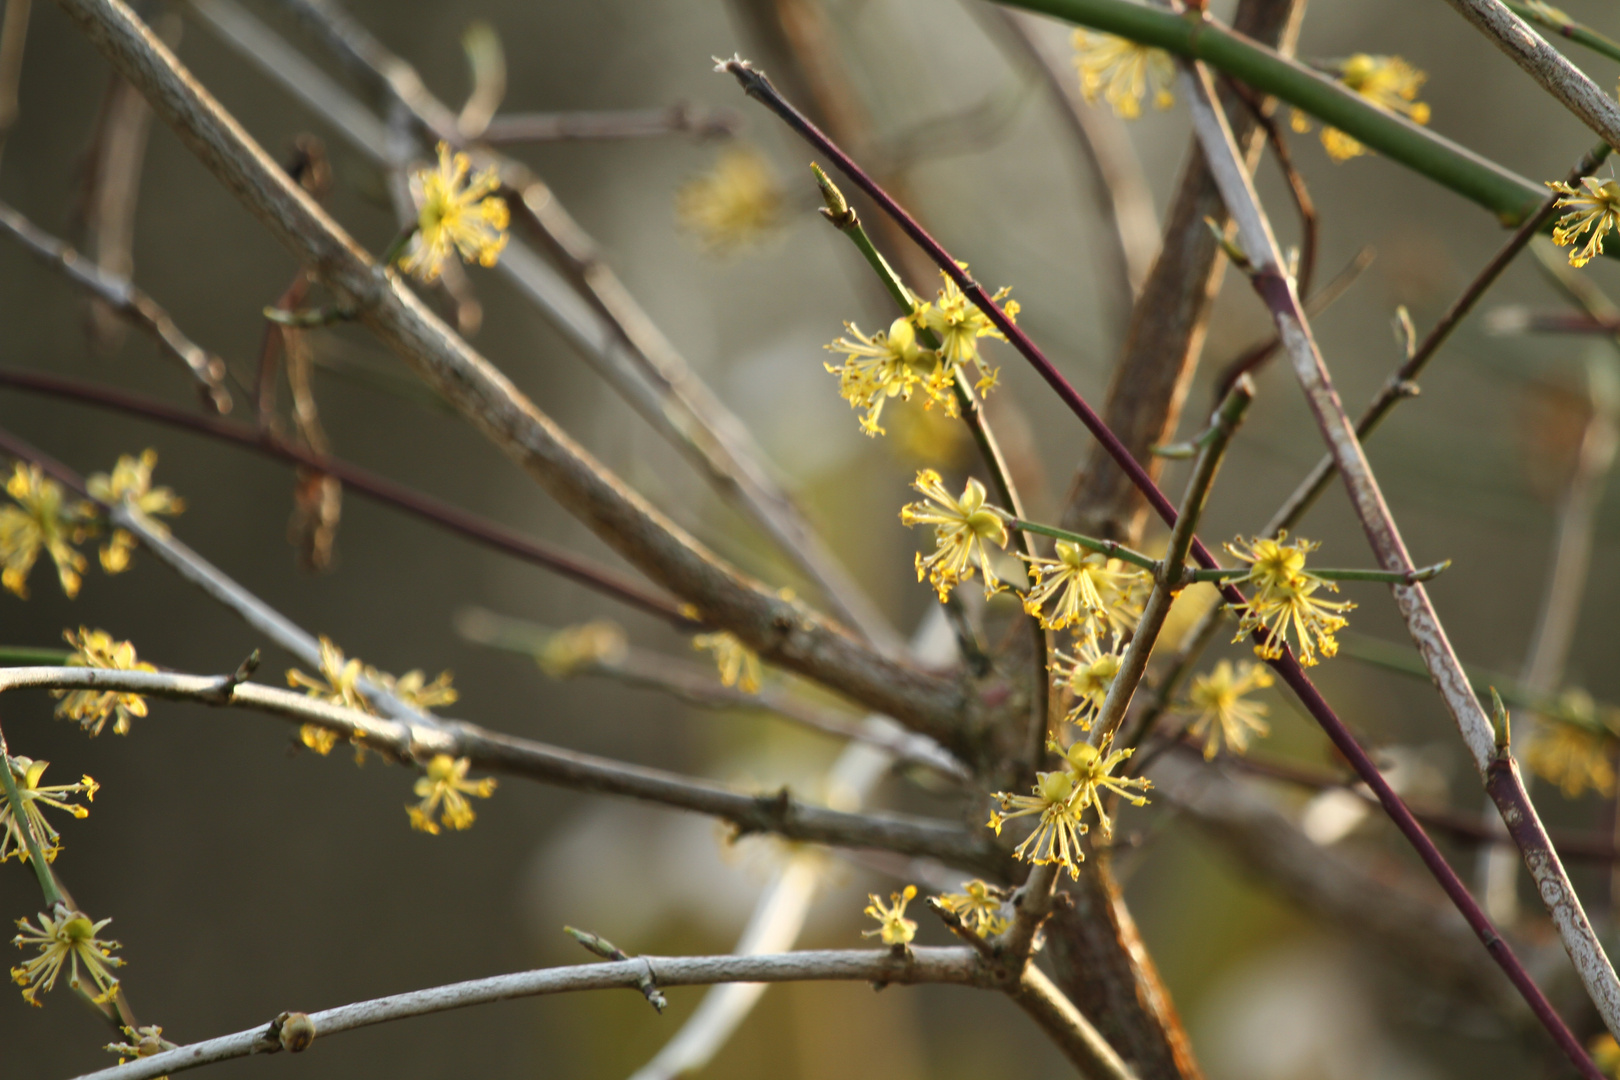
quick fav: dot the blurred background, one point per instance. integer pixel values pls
(246, 877)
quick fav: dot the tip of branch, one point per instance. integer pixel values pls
(1502, 723)
(1428, 573)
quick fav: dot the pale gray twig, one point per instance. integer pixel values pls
(120, 294)
(414, 740)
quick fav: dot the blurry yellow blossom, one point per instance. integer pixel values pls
(1090, 677)
(1283, 600)
(893, 926)
(1572, 747)
(1091, 770)
(732, 207)
(1597, 208)
(978, 905)
(1221, 713)
(414, 690)
(739, 665)
(131, 482)
(1388, 82)
(1058, 827)
(575, 647)
(963, 528)
(66, 937)
(28, 774)
(445, 784)
(1091, 591)
(93, 708)
(339, 682)
(1120, 71)
(454, 214)
(1603, 1048)
(880, 366)
(42, 520)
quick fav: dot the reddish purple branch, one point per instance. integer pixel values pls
(365, 483)
(757, 86)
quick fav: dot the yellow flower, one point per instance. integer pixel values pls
(734, 206)
(1388, 82)
(959, 324)
(1120, 71)
(455, 214)
(1283, 600)
(893, 926)
(978, 905)
(739, 665)
(28, 774)
(1091, 676)
(144, 1042)
(1603, 1048)
(446, 784)
(575, 647)
(93, 708)
(42, 519)
(414, 690)
(131, 482)
(880, 366)
(66, 937)
(1089, 770)
(1597, 208)
(1222, 712)
(1091, 590)
(1056, 838)
(962, 530)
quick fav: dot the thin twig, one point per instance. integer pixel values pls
(1276, 290)
(19, 816)
(410, 740)
(122, 296)
(955, 964)
(704, 123)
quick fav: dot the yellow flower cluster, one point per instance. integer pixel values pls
(339, 684)
(42, 518)
(894, 363)
(963, 530)
(893, 928)
(1059, 800)
(1573, 744)
(1283, 600)
(980, 907)
(739, 665)
(455, 214)
(28, 774)
(443, 791)
(1597, 208)
(66, 937)
(93, 708)
(1220, 709)
(1388, 82)
(1120, 72)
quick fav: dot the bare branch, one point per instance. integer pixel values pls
(607, 124)
(121, 295)
(413, 740)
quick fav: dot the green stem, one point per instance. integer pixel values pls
(1579, 33)
(1511, 197)
(28, 656)
(1406, 661)
(1388, 577)
(1090, 543)
(36, 856)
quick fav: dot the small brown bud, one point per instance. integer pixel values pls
(297, 1032)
